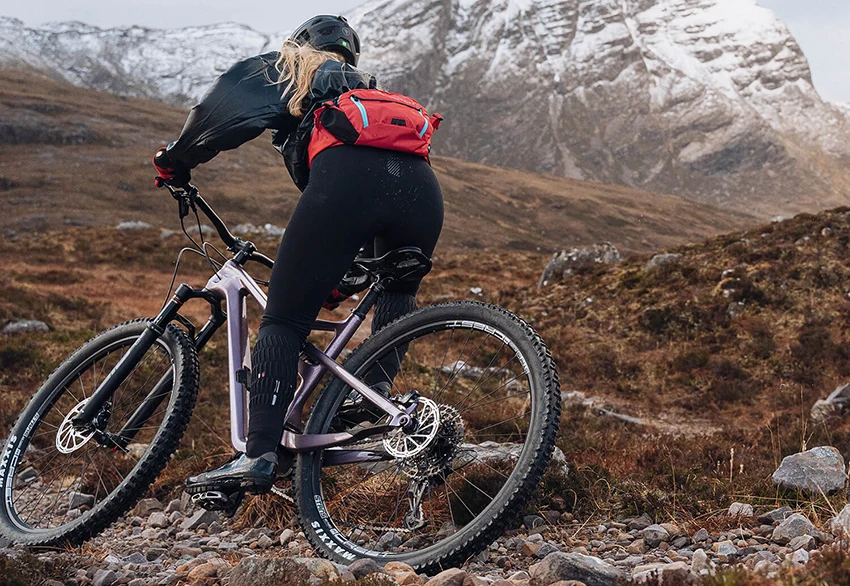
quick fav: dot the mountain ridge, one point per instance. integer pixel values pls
(710, 99)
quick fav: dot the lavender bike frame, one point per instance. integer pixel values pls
(233, 285)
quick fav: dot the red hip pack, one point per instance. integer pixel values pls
(373, 118)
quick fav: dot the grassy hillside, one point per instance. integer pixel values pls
(70, 156)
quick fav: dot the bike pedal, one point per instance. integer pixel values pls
(215, 500)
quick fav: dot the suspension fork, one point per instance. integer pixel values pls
(128, 362)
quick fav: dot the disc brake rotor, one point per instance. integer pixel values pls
(69, 439)
(402, 445)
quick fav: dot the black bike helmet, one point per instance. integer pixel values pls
(330, 33)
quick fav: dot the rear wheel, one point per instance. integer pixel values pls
(487, 416)
(61, 486)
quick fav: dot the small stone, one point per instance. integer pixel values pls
(532, 521)
(802, 542)
(25, 326)
(560, 566)
(699, 561)
(740, 510)
(819, 470)
(680, 542)
(530, 549)
(794, 526)
(552, 517)
(775, 515)
(322, 569)
(654, 535)
(365, 566)
(153, 553)
(286, 536)
(800, 557)
(215, 528)
(545, 549)
(174, 506)
(104, 578)
(158, 520)
(661, 260)
(147, 506)
(208, 569)
(262, 571)
(638, 546)
(389, 541)
(201, 517)
(78, 500)
(841, 522)
(726, 548)
(565, 264)
(701, 536)
(136, 557)
(264, 541)
(450, 577)
(639, 523)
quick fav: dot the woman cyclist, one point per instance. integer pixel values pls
(352, 195)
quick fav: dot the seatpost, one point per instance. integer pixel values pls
(369, 300)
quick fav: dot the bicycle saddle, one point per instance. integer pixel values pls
(401, 264)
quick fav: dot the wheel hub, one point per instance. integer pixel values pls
(403, 445)
(69, 439)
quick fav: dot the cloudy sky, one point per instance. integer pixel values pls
(822, 27)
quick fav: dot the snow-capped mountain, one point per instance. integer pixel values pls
(706, 98)
(175, 65)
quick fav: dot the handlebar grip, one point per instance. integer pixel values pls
(262, 259)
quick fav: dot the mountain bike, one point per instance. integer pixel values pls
(429, 471)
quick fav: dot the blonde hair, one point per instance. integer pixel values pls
(296, 67)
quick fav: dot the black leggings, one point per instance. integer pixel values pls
(355, 195)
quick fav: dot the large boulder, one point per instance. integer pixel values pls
(490, 451)
(818, 471)
(559, 566)
(566, 263)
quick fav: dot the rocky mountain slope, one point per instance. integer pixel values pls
(62, 162)
(711, 99)
(708, 98)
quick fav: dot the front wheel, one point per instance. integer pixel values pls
(60, 485)
(488, 413)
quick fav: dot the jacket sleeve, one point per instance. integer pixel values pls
(238, 107)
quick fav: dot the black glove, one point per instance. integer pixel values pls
(353, 282)
(174, 173)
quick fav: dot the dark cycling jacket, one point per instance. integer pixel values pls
(243, 102)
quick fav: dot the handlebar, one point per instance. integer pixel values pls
(191, 197)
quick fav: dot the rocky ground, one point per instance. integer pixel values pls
(174, 543)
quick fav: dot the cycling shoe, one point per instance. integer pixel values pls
(242, 474)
